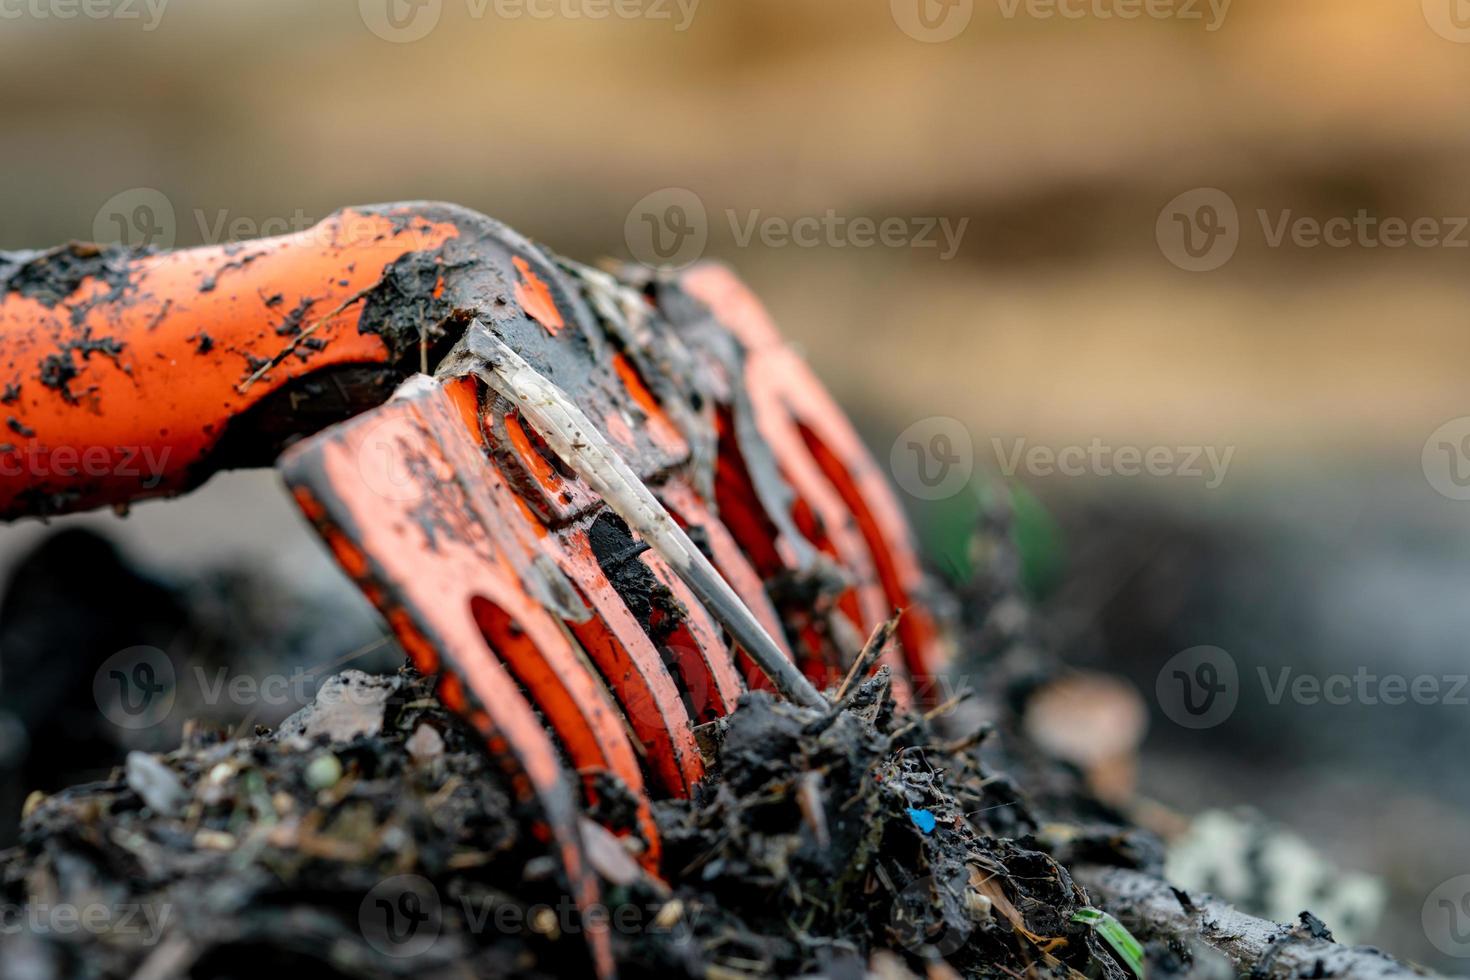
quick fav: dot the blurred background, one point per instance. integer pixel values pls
(1231, 235)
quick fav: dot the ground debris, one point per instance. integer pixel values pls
(787, 895)
(258, 861)
(800, 854)
(857, 839)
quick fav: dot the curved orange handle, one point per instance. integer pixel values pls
(128, 374)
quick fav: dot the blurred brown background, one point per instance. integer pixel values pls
(1060, 319)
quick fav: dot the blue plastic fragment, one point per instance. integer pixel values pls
(922, 819)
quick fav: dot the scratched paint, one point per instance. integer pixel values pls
(535, 298)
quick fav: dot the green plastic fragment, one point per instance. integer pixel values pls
(1130, 950)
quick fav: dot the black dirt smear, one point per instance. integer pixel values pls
(87, 345)
(35, 502)
(1315, 927)
(650, 601)
(163, 313)
(57, 373)
(54, 276)
(211, 282)
(11, 395)
(403, 303)
(205, 344)
(292, 324)
(20, 428)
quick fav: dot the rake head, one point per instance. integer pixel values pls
(598, 509)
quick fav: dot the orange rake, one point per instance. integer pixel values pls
(598, 508)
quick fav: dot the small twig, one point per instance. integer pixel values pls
(967, 742)
(285, 352)
(871, 651)
(935, 712)
(809, 800)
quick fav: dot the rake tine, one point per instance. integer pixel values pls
(573, 437)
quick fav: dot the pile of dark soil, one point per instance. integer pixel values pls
(370, 836)
(820, 839)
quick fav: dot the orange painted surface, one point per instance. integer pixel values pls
(831, 469)
(199, 342)
(705, 661)
(625, 655)
(451, 556)
(691, 512)
(661, 429)
(535, 298)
